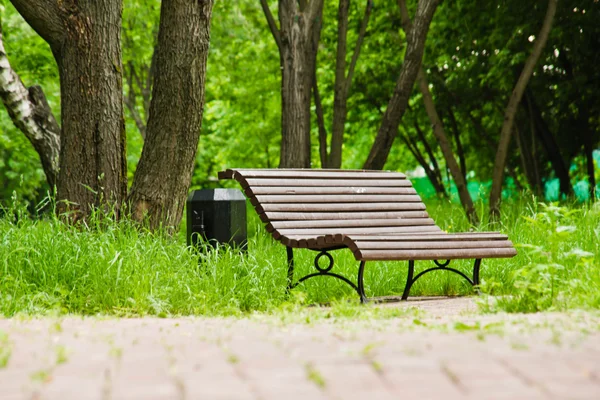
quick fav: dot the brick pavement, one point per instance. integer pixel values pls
(443, 352)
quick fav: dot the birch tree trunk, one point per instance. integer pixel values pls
(511, 110)
(31, 114)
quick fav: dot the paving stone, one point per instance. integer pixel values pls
(262, 359)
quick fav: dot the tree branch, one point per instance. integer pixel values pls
(408, 74)
(45, 17)
(272, 24)
(511, 110)
(131, 103)
(359, 42)
(320, 124)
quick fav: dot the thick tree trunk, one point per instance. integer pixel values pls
(511, 110)
(85, 37)
(30, 112)
(406, 80)
(164, 173)
(93, 167)
(458, 173)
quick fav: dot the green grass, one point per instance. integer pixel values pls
(47, 267)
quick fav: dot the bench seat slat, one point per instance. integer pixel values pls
(434, 236)
(310, 173)
(342, 198)
(319, 207)
(350, 223)
(358, 190)
(430, 245)
(433, 254)
(309, 216)
(250, 182)
(349, 231)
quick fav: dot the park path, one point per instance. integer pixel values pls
(439, 353)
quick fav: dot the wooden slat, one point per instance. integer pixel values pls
(424, 237)
(332, 198)
(340, 207)
(435, 254)
(310, 173)
(293, 190)
(350, 223)
(429, 245)
(324, 182)
(349, 231)
(307, 216)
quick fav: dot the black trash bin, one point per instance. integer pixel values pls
(218, 216)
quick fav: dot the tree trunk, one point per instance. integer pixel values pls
(164, 172)
(408, 74)
(511, 110)
(343, 81)
(296, 38)
(458, 174)
(589, 156)
(31, 114)
(551, 146)
(85, 38)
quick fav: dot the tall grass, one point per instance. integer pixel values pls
(118, 269)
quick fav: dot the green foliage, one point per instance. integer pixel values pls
(561, 261)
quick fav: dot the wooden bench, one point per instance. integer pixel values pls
(377, 215)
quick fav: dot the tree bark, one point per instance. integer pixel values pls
(406, 80)
(343, 81)
(511, 110)
(457, 172)
(85, 38)
(299, 31)
(164, 172)
(31, 114)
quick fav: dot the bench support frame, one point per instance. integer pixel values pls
(359, 285)
(410, 280)
(325, 271)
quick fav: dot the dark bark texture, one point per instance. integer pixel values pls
(85, 38)
(343, 79)
(164, 173)
(297, 55)
(408, 74)
(31, 114)
(297, 38)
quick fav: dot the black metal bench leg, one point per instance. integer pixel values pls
(409, 279)
(290, 263)
(361, 285)
(476, 267)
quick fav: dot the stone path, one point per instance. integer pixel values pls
(430, 355)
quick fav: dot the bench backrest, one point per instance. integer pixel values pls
(313, 202)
